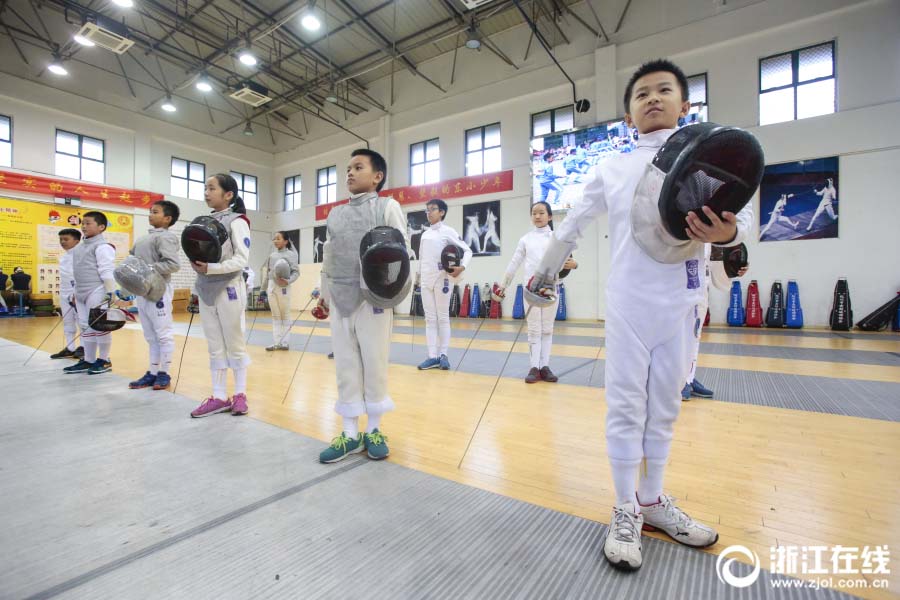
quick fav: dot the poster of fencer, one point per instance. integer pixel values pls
(416, 224)
(318, 242)
(799, 200)
(481, 228)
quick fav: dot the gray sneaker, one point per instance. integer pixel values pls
(622, 547)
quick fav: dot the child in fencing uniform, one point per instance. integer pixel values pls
(530, 249)
(279, 291)
(436, 284)
(360, 331)
(68, 239)
(651, 318)
(159, 249)
(220, 288)
(93, 262)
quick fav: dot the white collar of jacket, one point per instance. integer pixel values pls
(156, 230)
(654, 139)
(544, 229)
(435, 226)
(97, 239)
(221, 212)
(357, 199)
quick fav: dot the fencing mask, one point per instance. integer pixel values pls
(451, 256)
(136, 277)
(699, 165)
(202, 240)
(734, 258)
(384, 266)
(282, 269)
(107, 318)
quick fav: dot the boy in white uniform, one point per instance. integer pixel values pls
(650, 324)
(68, 239)
(437, 284)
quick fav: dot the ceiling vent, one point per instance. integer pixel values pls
(106, 34)
(252, 94)
(473, 4)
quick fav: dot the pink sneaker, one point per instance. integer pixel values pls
(211, 406)
(239, 404)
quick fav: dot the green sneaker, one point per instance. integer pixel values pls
(376, 445)
(341, 447)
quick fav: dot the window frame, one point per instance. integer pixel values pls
(319, 188)
(795, 73)
(295, 200)
(187, 179)
(10, 140)
(425, 161)
(242, 191)
(466, 151)
(80, 156)
(552, 112)
(705, 103)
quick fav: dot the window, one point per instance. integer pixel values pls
(5, 141)
(551, 121)
(326, 185)
(188, 179)
(483, 149)
(697, 93)
(797, 84)
(247, 187)
(425, 162)
(292, 192)
(79, 157)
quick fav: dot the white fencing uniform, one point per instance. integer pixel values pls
(530, 250)
(652, 317)
(222, 302)
(437, 285)
(280, 297)
(93, 263)
(159, 249)
(360, 332)
(829, 195)
(67, 294)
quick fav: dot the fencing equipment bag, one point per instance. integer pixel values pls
(701, 165)
(793, 317)
(202, 240)
(735, 316)
(451, 256)
(754, 310)
(464, 303)
(775, 312)
(519, 304)
(475, 307)
(561, 311)
(384, 267)
(138, 278)
(282, 269)
(881, 317)
(841, 312)
(454, 301)
(107, 318)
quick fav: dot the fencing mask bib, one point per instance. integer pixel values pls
(384, 267)
(699, 165)
(138, 278)
(202, 240)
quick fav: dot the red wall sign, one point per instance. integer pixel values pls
(475, 185)
(76, 189)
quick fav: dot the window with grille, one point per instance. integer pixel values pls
(292, 192)
(5, 141)
(425, 162)
(326, 185)
(483, 149)
(188, 179)
(551, 121)
(247, 190)
(797, 84)
(697, 90)
(80, 157)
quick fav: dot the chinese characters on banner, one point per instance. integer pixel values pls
(86, 192)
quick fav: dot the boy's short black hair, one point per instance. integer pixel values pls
(440, 204)
(170, 209)
(378, 163)
(98, 217)
(72, 232)
(656, 66)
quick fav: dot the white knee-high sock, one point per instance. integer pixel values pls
(166, 349)
(351, 427)
(624, 474)
(546, 345)
(90, 349)
(374, 422)
(154, 359)
(219, 379)
(104, 346)
(534, 350)
(240, 380)
(650, 483)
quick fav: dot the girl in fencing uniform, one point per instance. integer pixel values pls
(281, 271)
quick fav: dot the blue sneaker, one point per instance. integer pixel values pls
(100, 366)
(376, 445)
(686, 392)
(700, 391)
(82, 366)
(146, 381)
(162, 381)
(445, 363)
(341, 447)
(430, 363)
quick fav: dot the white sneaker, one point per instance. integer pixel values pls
(622, 547)
(674, 522)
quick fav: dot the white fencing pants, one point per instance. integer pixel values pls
(540, 333)
(223, 326)
(436, 304)
(362, 347)
(156, 322)
(97, 344)
(280, 305)
(70, 322)
(701, 312)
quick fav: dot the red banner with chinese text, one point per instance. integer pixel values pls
(86, 192)
(475, 185)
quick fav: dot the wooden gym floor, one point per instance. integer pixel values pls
(749, 462)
